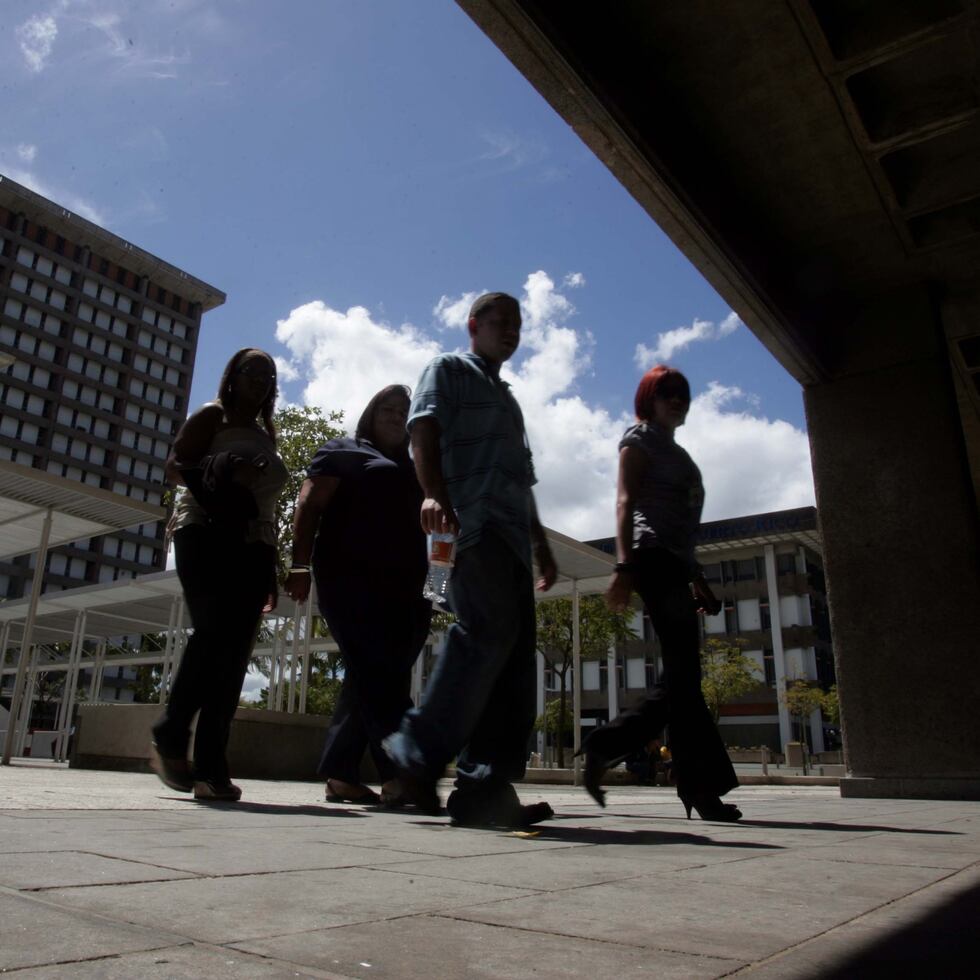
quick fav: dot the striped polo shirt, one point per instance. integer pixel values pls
(486, 462)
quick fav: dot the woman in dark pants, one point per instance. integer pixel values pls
(361, 500)
(658, 512)
(225, 546)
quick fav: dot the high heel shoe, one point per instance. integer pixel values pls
(711, 808)
(592, 773)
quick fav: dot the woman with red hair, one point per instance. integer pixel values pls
(658, 512)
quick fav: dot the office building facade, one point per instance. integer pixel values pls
(100, 339)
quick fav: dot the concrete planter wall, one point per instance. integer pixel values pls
(263, 745)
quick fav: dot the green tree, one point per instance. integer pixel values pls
(551, 723)
(726, 674)
(598, 629)
(322, 692)
(802, 698)
(830, 705)
(301, 432)
(146, 687)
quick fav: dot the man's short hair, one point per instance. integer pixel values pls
(488, 301)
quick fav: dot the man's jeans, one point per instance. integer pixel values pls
(481, 699)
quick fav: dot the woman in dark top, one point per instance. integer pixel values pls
(361, 501)
(658, 512)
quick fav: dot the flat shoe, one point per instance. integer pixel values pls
(223, 790)
(366, 796)
(172, 770)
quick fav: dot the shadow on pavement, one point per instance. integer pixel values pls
(803, 825)
(268, 809)
(595, 835)
(943, 943)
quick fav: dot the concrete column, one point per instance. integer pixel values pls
(576, 685)
(899, 525)
(539, 697)
(611, 688)
(778, 653)
(37, 584)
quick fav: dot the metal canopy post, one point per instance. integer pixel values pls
(95, 682)
(27, 703)
(304, 687)
(576, 682)
(64, 709)
(168, 650)
(25, 644)
(294, 658)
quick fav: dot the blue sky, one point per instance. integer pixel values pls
(348, 171)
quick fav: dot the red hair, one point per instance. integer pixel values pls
(653, 384)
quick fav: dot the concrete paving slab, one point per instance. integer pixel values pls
(574, 867)
(691, 917)
(930, 933)
(54, 869)
(901, 851)
(235, 908)
(838, 883)
(34, 932)
(257, 856)
(426, 946)
(620, 891)
(185, 962)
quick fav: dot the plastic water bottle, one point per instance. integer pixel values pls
(442, 556)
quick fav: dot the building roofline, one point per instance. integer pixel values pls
(61, 220)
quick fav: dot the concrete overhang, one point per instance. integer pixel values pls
(818, 161)
(809, 156)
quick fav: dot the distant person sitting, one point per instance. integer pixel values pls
(643, 763)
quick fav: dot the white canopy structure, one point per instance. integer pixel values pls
(154, 604)
(39, 511)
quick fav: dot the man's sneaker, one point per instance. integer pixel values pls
(173, 771)
(223, 790)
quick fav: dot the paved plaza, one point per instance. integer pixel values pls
(107, 874)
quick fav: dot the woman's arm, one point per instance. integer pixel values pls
(193, 441)
(314, 495)
(706, 599)
(632, 467)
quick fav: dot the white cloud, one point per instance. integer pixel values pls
(510, 152)
(729, 324)
(672, 341)
(345, 357)
(574, 443)
(573, 280)
(454, 313)
(285, 370)
(750, 463)
(37, 36)
(27, 152)
(131, 56)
